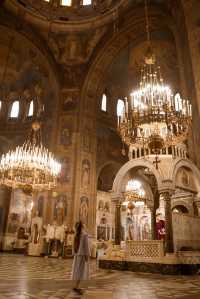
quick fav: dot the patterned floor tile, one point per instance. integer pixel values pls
(38, 278)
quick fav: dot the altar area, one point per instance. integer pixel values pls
(32, 230)
(158, 230)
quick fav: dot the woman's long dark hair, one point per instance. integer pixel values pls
(77, 238)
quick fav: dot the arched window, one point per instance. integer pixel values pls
(31, 109)
(104, 103)
(120, 107)
(87, 2)
(14, 113)
(66, 2)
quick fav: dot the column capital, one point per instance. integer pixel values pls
(117, 198)
(167, 194)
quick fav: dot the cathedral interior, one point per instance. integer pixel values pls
(99, 122)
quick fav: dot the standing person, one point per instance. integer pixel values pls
(80, 270)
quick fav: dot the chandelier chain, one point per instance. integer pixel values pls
(147, 22)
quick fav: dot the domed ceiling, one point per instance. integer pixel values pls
(71, 11)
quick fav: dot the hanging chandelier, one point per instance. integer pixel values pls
(30, 166)
(134, 195)
(153, 116)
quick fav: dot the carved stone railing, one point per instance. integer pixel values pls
(145, 249)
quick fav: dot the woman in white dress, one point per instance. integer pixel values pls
(80, 270)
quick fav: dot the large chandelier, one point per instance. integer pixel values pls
(153, 116)
(30, 166)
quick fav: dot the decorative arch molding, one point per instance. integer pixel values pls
(107, 163)
(184, 203)
(139, 163)
(181, 163)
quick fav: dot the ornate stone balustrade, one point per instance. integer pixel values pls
(145, 249)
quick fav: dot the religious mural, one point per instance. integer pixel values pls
(86, 141)
(65, 135)
(70, 99)
(65, 173)
(104, 216)
(60, 208)
(84, 206)
(137, 224)
(85, 175)
(185, 178)
(20, 212)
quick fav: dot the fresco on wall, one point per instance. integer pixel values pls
(86, 141)
(70, 98)
(65, 171)
(185, 179)
(84, 206)
(13, 223)
(104, 206)
(60, 208)
(103, 216)
(138, 224)
(20, 212)
(65, 135)
(85, 175)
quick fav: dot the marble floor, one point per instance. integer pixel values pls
(39, 278)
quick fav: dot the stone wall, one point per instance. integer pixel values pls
(186, 232)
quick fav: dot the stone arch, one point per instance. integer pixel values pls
(182, 203)
(184, 163)
(139, 163)
(107, 172)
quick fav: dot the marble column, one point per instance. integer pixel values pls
(197, 206)
(168, 223)
(117, 223)
(5, 197)
(153, 223)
